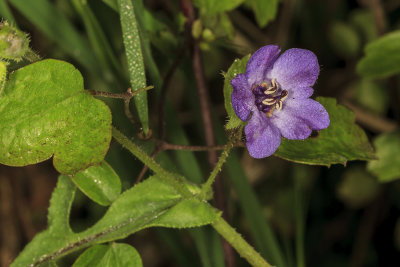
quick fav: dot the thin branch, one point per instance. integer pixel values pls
(162, 146)
(128, 95)
(172, 178)
(371, 121)
(161, 105)
(379, 16)
(165, 86)
(145, 167)
(204, 99)
(127, 110)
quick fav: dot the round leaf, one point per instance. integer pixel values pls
(121, 255)
(45, 111)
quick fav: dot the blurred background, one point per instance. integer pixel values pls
(337, 216)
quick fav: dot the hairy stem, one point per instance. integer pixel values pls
(241, 246)
(172, 179)
(224, 155)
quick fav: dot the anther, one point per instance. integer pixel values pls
(269, 101)
(284, 95)
(271, 89)
(278, 105)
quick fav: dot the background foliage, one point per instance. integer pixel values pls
(293, 214)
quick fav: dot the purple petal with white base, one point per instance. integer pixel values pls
(242, 97)
(262, 138)
(295, 68)
(261, 62)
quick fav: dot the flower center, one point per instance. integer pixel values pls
(269, 96)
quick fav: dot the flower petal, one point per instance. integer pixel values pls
(242, 97)
(300, 92)
(260, 62)
(290, 126)
(295, 68)
(298, 118)
(262, 137)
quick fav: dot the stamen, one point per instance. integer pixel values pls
(271, 89)
(284, 95)
(269, 101)
(278, 105)
(274, 83)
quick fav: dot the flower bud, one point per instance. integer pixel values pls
(208, 35)
(197, 29)
(14, 44)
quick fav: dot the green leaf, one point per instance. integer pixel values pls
(99, 183)
(344, 39)
(150, 203)
(382, 57)
(121, 255)
(387, 166)
(92, 256)
(154, 203)
(265, 10)
(342, 141)
(45, 111)
(212, 7)
(134, 55)
(98, 40)
(238, 66)
(58, 231)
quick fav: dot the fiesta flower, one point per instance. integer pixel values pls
(274, 96)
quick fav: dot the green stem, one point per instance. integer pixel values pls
(172, 179)
(241, 246)
(224, 155)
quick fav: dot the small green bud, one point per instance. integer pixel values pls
(208, 35)
(205, 46)
(197, 29)
(14, 44)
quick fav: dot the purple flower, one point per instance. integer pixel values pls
(273, 95)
